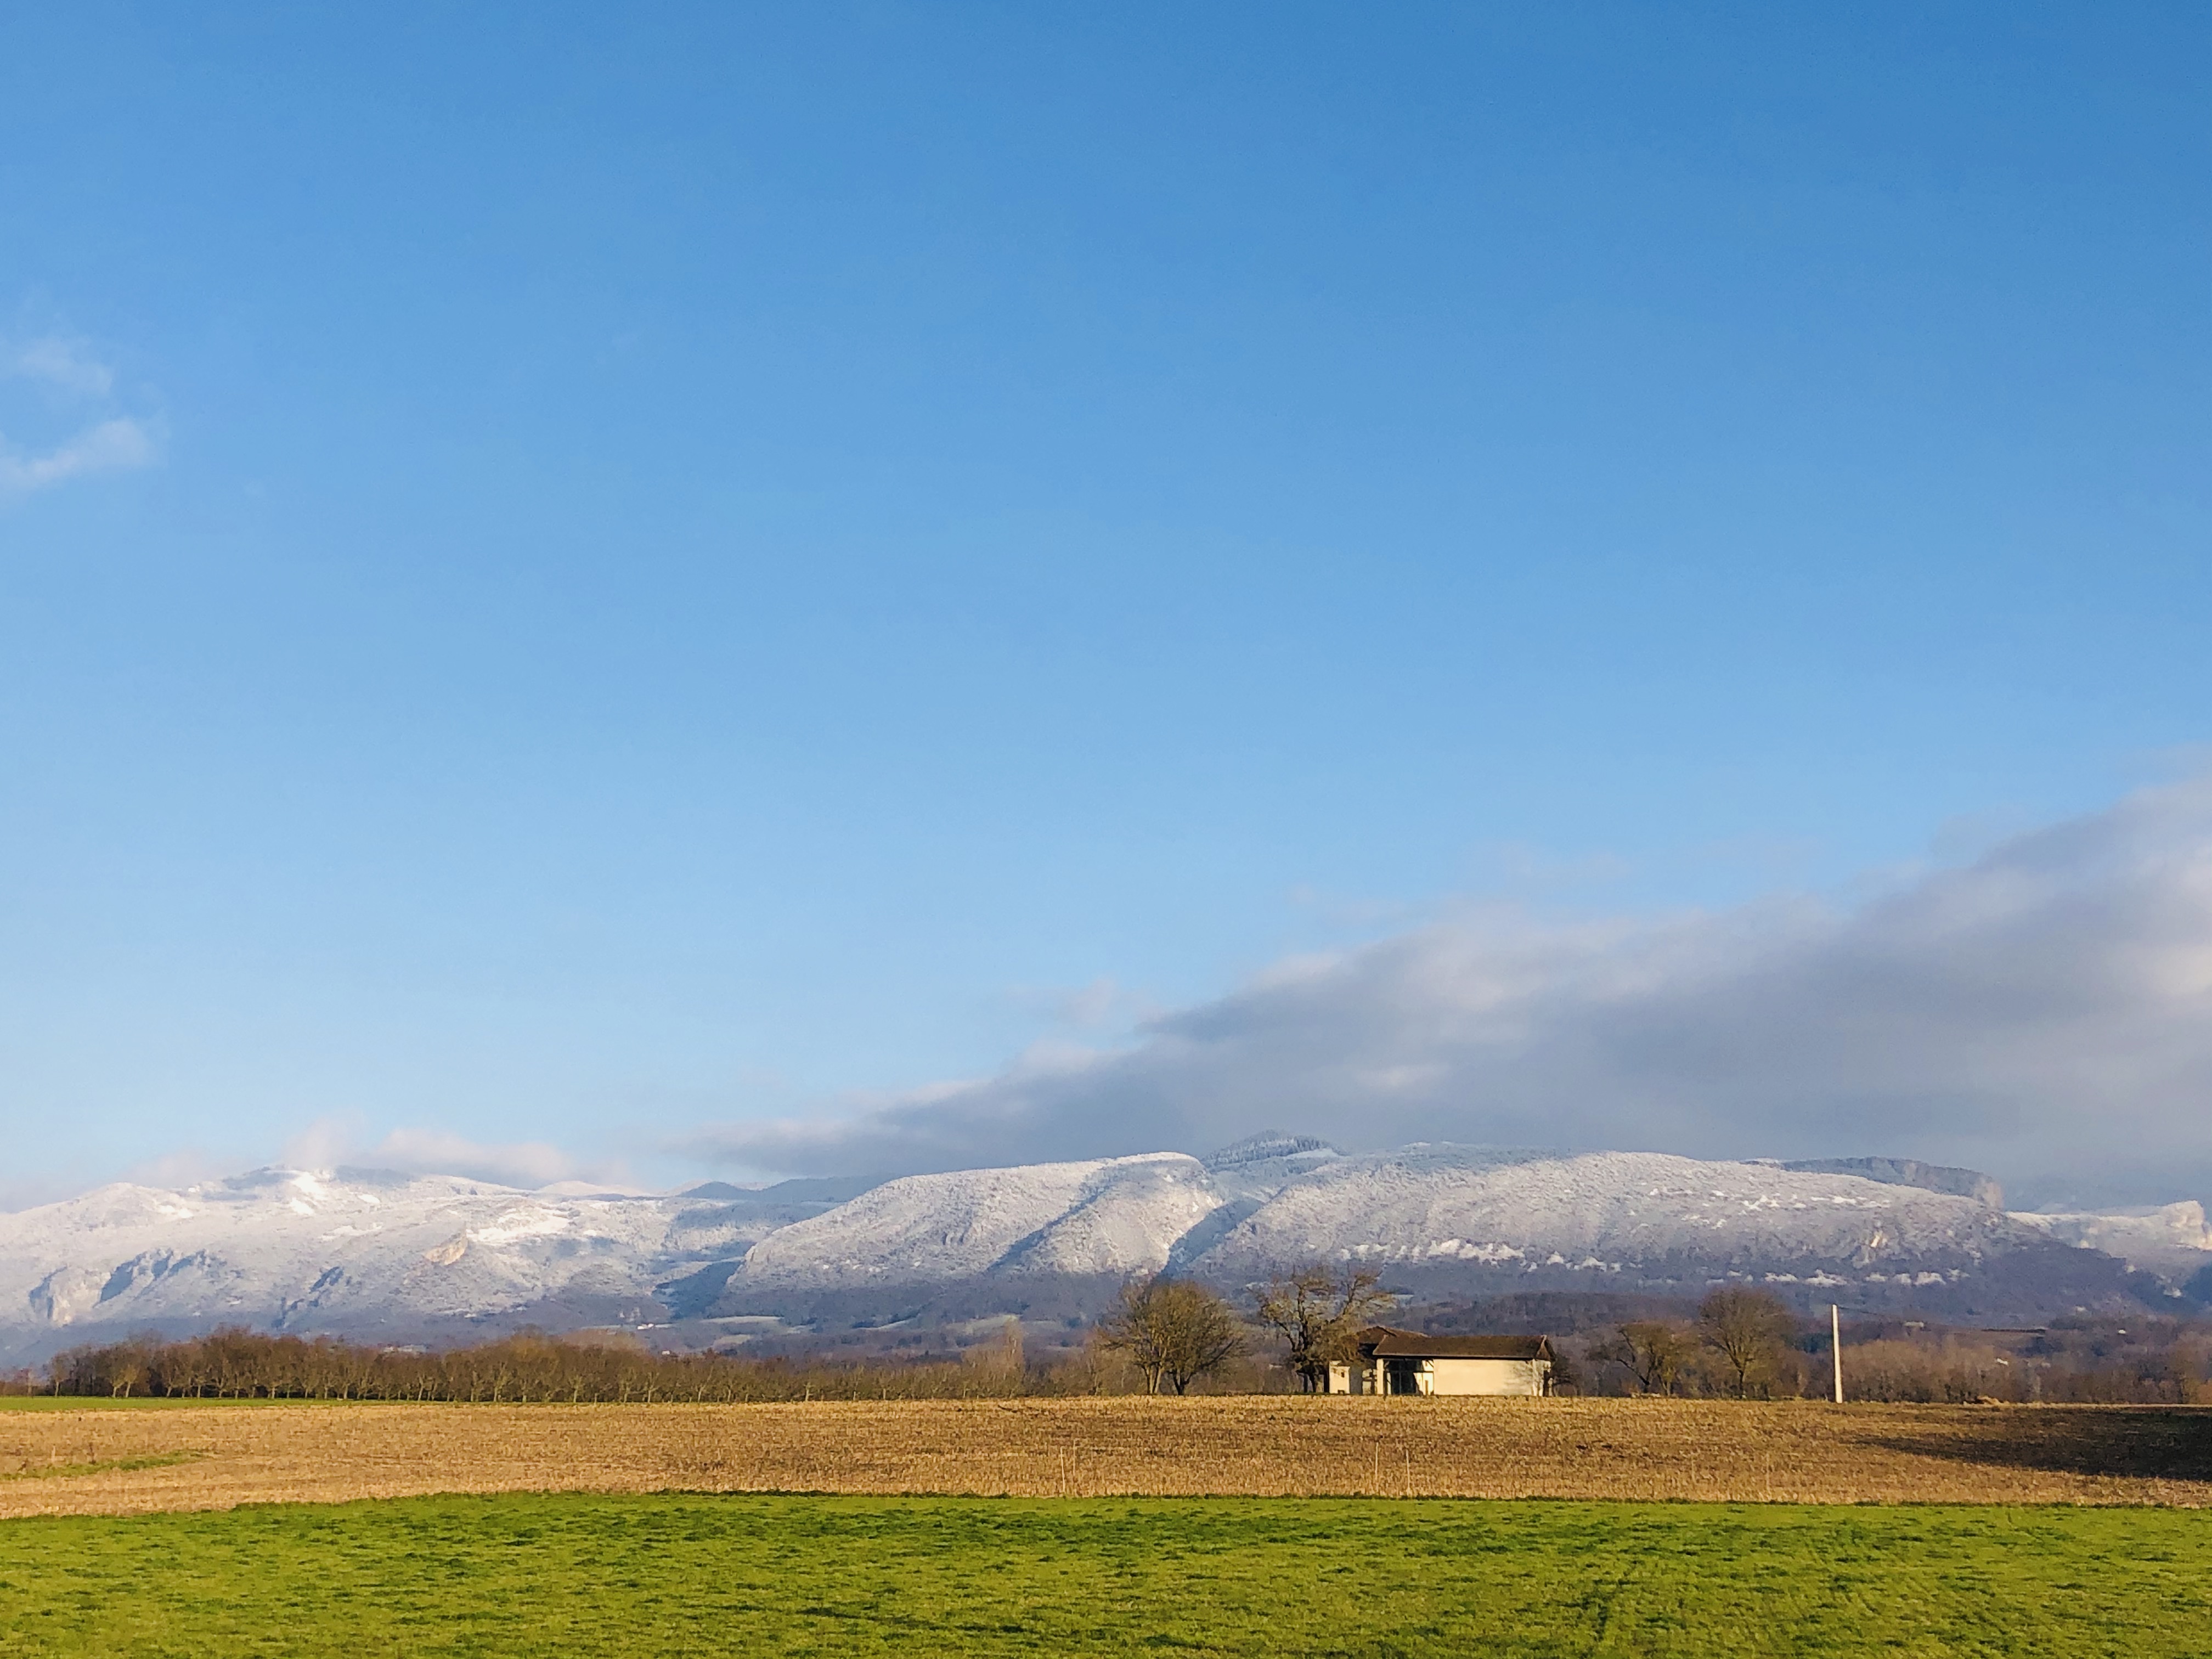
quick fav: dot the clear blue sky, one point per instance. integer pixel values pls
(568, 573)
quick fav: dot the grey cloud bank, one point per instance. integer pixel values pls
(2044, 1013)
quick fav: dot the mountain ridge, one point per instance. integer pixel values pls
(378, 1255)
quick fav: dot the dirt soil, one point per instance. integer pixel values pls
(56, 1462)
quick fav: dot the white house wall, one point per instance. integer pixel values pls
(1452, 1376)
(1508, 1376)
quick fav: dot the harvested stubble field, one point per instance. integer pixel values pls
(56, 1462)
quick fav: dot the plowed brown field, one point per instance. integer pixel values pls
(73, 1462)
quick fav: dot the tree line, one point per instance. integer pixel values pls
(1741, 1343)
(527, 1368)
(1161, 1335)
(1170, 1336)
(1746, 1343)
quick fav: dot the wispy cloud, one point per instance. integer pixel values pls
(181, 1166)
(66, 364)
(2045, 1011)
(107, 447)
(529, 1163)
(106, 441)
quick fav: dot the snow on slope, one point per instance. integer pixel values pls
(1115, 1215)
(1127, 1222)
(1258, 1167)
(1437, 1204)
(307, 1250)
(2173, 1239)
(366, 1253)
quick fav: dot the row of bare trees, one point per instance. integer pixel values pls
(1746, 1343)
(2135, 1360)
(1746, 1333)
(528, 1368)
(1171, 1336)
(1162, 1335)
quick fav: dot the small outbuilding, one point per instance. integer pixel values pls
(1410, 1362)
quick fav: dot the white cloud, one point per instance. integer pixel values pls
(65, 364)
(107, 442)
(2044, 1011)
(330, 1142)
(108, 446)
(182, 1166)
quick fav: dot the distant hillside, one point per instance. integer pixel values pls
(1910, 1172)
(424, 1259)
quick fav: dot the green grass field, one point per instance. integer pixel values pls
(713, 1575)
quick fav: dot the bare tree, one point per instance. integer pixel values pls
(1652, 1352)
(1319, 1315)
(1746, 1328)
(1001, 1358)
(1173, 1331)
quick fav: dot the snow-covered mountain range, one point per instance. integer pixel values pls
(393, 1257)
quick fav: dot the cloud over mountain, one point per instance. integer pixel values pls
(2044, 1011)
(330, 1142)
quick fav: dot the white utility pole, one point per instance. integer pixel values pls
(1836, 1347)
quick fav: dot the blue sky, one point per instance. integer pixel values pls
(599, 577)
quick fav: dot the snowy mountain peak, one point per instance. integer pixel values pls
(2169, 1238)
(1114, 1215)
(1271, 1146)
(371, 1253)
(343, 1249)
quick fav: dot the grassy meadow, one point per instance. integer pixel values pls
(698, 1574)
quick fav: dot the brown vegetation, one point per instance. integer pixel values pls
(1276, 1445)
(1173, 1331)
(1651, 1355)
(602, 1368)
(1750, 1330)
(2145, 1361)
(2150, 1361)
(1318, 1314)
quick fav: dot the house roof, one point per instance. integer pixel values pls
(1387, 1344)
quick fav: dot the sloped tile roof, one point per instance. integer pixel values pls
(1413, 1345)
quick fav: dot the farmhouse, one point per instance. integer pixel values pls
(1408, 1362)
